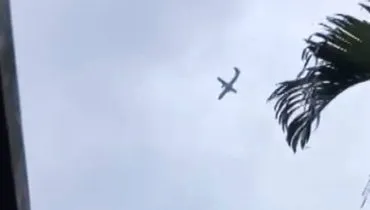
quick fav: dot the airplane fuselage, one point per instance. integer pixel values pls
(228, 87)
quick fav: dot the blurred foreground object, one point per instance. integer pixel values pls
(14, 193)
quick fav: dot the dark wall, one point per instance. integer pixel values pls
(14, 187)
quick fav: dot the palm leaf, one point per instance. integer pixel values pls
(341, 56)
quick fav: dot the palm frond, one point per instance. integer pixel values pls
(341, 56)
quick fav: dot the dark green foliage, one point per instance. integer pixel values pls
(341, 56)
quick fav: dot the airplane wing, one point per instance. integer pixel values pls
(222, 81)
(237, 72)
(222, 94)
(363, 203)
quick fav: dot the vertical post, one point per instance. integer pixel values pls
(14, 193)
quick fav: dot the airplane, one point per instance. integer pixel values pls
(228, 86)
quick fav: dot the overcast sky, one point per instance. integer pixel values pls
(120, 110)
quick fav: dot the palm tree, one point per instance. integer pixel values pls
(341, 56)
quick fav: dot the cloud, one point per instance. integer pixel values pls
(120, 107)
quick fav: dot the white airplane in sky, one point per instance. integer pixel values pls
(228, 86)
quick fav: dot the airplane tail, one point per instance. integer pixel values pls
(233, 90)
(222, 82)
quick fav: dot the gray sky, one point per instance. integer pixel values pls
(120, 107)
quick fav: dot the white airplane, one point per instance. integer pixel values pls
(228, 86)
